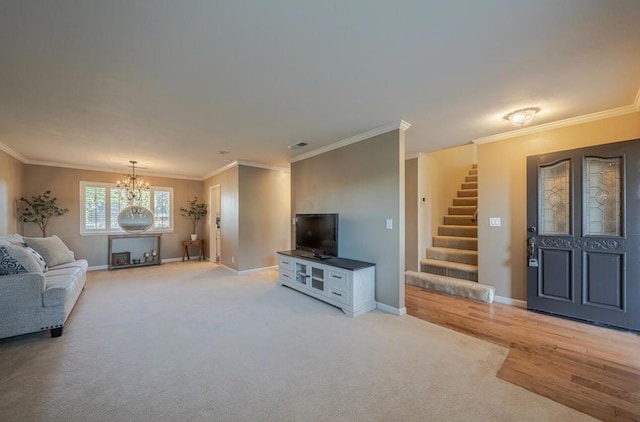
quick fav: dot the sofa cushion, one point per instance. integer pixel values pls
(60, 284)
(16, 260)
(52, 249)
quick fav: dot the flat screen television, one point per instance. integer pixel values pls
(317, 233)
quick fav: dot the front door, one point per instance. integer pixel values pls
(583, 234)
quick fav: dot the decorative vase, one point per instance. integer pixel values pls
(194, 236)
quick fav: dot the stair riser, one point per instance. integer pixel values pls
(465, 243)
(449, 272)
(459, 220)
(470, 185)
(471, 178)
(462, 210)
(473, 172)
(453, 256)
(468, 231)
(465, 202)
(467, 193)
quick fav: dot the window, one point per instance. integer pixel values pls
(100, 204)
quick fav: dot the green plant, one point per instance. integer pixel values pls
(40, 209)
(196, 212)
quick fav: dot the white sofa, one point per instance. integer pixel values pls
(36, 296)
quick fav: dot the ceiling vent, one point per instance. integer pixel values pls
(298, 145)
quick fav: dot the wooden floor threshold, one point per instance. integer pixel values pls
(592, 369)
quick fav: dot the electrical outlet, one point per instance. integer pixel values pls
(389, 223)
(494, 222)
(233, 259)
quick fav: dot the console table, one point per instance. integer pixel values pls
(128, 250)
(344, 283)
(200, 243)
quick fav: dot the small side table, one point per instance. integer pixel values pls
(193, 243)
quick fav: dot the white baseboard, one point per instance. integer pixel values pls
(229, 268)
(390, 309)
(257, 270)
(508, 301)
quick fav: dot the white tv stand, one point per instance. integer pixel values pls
(344, 283)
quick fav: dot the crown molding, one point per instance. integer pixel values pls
(592, 117)
(411, 156)
(12, 152)
(243, 163)
(402, 125)
(108, 170)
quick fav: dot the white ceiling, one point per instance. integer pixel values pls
(169, 83)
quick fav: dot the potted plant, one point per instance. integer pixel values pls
(40, 209)
(195, 212)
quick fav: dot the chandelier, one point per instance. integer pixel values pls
(133, 185)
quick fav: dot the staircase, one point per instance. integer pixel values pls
(451, 264)
(455, 248)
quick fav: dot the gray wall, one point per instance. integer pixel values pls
(411, 253)
(364, 183)
(11, 181)
(264, 210)
(254, 217)
(229, 235)
(64, 184)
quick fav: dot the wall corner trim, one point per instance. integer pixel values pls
(402, 125)
(242, 163)
(508, 301)
(390, 309)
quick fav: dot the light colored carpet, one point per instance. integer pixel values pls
(193, 342)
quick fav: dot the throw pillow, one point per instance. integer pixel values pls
(39, 259)
(52, 249)
(12, 239)
(16, 260)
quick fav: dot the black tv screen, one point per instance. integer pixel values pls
(317, 233)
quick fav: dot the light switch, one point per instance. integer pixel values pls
(494, 222)
(389, 223)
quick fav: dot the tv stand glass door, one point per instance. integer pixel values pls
(317, 279)
(310, 276)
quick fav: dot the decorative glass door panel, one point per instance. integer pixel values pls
(603, 196)
(555, 199)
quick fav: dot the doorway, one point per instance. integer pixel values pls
(583, 234)
(214, 224)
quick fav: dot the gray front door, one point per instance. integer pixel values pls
(583, 234)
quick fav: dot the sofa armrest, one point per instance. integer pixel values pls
(22, 289)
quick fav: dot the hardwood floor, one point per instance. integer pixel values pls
(592, 369)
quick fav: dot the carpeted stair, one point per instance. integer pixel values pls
(452, 262)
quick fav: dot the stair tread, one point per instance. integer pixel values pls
(456, 237)
(454, 250)
(447, 264)
(447, 278)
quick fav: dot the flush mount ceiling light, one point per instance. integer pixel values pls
(521, 117)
